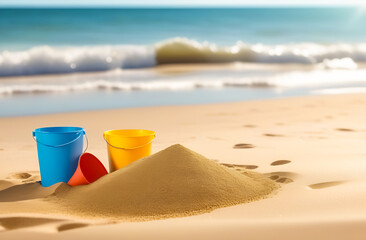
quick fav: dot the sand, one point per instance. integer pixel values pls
(174, 182)
(312, 146)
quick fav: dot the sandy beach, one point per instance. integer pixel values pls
(199, 120)
(311, 146)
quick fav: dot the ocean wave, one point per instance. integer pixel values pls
(50, 60)
(181, 50)
(54, 60)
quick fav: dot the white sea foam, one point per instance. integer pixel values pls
(342, 63)
(137, 81)
(122, 86)
(52, 60)
(347, 90)
(48, 60)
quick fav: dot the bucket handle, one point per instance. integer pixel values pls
(62, 145)
(124, 148)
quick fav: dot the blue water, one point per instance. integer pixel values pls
(24, 28)
(28, 104)
(125, 45)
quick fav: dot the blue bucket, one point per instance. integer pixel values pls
(58, 149)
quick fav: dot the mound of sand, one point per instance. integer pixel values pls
(173, 182)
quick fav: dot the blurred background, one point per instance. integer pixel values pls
(64, 56)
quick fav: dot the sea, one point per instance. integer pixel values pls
(65, 59)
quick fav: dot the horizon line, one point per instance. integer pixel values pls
(179, 6)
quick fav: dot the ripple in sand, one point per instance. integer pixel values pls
(325, 184)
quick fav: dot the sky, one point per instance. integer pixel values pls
(193, 3)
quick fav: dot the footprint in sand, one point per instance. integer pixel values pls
(250, 126)
(274, 177)
(22, 175)
(25, 177)
(70, 226)
(345, 129)
(13, 223)
(282, 177)
(273, 135)
(239, 167)
(32, 179)
(280, 162)
(284, 180)
(243, 145)
(27, 191)
(325, 184)
(250, 166)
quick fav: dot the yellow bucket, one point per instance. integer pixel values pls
(127, 145)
